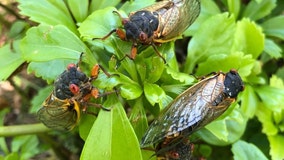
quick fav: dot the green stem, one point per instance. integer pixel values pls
(17, 130)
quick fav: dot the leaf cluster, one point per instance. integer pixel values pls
(227, 34)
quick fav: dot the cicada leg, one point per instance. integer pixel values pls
(158, 53)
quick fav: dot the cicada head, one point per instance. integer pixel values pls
(233, 84)
(69, 82)
(141, 26)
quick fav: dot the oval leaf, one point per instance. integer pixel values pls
(112, 136)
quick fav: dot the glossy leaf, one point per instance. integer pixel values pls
(49, 70)
(274, 27)
(246, 151)
(234, 7)
(264, 115)
(272, 49)
(206, 42)
(138, 119)
(243, 63)
(10, 59)
(256, 10)
(27, 145)
(45, 43)
(57, 12)
(96, 5)
(276, 145)
(156, 70)
(132, 6)
(247, 31)
(180, 77)
(39, 98)
(208, 8)
(79, 9)
(229, 129)
(266, 92)
(153, 93)
(249, 101)
(112, 136)
(99, 23)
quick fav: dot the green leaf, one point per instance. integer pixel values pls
(154, 93)
(266, 93)
(45, 43)
(86, 123)
(180, 77)
(257, 10)
(224, 131)
(248, 38)
(112, 136)
(156, 70)
(18, 29)
(138, 118)
(10, 59)
(95, 5)
(264, 115)
(49, 70)
(243, 63)
(38, 100)
(129, 89)
(12, 156)
(234, 7)
(48, 12)
(208, 9)
(274, 27)
(276, 147)
(99, 24)
(246, 151)
(132, 6)
(79, 9)
(28, 145)
(215, 36)
(272, 49)
(249, 101)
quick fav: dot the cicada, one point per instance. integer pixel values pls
(72, 91)
(161, 22)
(176, 151)
(195, 107)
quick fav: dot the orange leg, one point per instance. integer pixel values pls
(121, 34)
(133, 52)
(95, 71)
(95, 93)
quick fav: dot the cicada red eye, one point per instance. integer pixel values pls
(72, 65)
(74, 89)
(174, 155)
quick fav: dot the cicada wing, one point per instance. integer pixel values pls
(181, 15)
(58, 114)
(186, 112)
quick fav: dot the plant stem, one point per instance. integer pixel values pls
(17, 130)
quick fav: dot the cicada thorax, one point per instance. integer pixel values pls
(195, 107)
